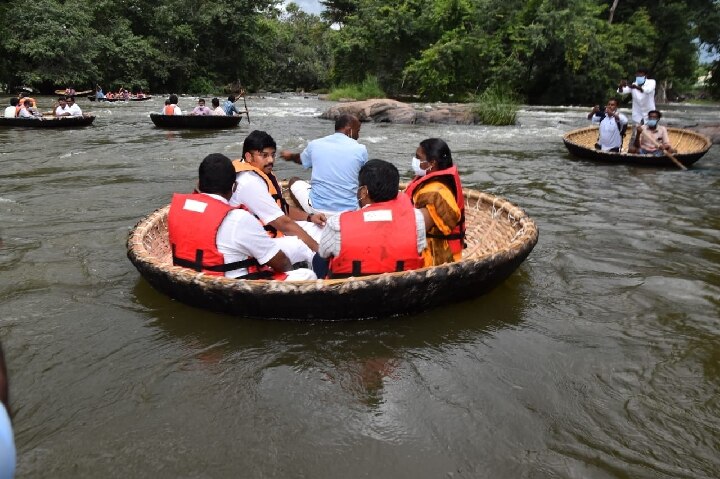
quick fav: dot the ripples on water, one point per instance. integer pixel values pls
(599, 357)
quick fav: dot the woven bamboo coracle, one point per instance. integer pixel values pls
(690, 146)
(499, 237)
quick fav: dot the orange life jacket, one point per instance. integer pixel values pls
(193, 223)
(380, 238)
(273, 188)
(169, 110)
(451, 178)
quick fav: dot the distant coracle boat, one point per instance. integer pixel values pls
(195, 121)
(690, 146)
(48, 122)
(499, 237)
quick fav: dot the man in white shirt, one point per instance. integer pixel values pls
(612, 126)
(11, 110)
(643, 95)
(209, 235)
(259, 191)
(25, 111)
(73, 107)
(62, 108)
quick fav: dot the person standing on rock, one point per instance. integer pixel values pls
(335, 161)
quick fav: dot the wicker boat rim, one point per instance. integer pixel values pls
(525, 237)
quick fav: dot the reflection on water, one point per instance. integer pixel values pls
(597, 358)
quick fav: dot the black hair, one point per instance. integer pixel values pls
(231, 98)
(659, 115)
(344, 120)
(215, 102)
(216, 174)
(257, 141)
(167, 102)
(381, 178)
(70, 97)
(642, 70)
(14, 101)
(173, 99)
(201, 100)
(436, 149)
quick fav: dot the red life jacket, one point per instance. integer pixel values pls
(193, 229)
(380, 238)
(273, 188)
(451, 178)
(169, 110)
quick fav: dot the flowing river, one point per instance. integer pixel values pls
(598, 358)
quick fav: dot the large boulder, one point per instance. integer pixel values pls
(392, 111)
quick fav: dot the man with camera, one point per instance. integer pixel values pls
(612, 126)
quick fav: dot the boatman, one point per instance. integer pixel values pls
(260, 193)
(643, 95)
(208, 235)
(653, 139)
(386, 234)
(612, 126)
(335, 161)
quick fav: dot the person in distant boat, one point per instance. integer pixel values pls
(73, 107)
(437, 191)
(653, 139)
(201, 109)
(643, 95)
(385, 235)
(260, 193)
(70, 91)
(171, 107)
(230, 107)
(11, 111)
(99, 92)
(217, 109)
(335, 161)
(612, 126)
(62, 109)
(207, 234)
(7, 441)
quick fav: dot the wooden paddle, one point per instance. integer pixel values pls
(658, 145)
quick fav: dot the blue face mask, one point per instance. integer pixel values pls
(651, 123)
(639, 81)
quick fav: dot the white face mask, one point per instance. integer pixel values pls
(416, 167)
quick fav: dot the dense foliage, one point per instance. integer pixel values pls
(546, 51)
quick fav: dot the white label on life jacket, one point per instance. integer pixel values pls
(194, 205)
(377, 215)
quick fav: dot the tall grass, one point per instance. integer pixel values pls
(496, 106)
(369, 88)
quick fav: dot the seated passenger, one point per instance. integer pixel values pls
(62, 108)
(73, 107)
(385, 235)
(437, 191)
(207, 234)
(201, 109)
(259, 192)
(653, 139)
(11, 110)
(612, 126)
(171, 107)
(217, 109)
(26, 110)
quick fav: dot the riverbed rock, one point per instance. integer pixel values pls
(383, 110)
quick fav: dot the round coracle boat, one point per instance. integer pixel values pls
(499, 237)
(112, 100)
(194, 121)
(48, 121)
(690, 146)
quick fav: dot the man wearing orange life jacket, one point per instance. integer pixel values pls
(171, 107)
(387, 234)
(260, 193)
(208, 235)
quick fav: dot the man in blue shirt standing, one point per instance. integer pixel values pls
(335, 161)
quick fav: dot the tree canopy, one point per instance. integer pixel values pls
(547, 51)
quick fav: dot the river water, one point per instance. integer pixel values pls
(598, 358)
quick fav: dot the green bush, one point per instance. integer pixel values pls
(496, 106)
(201, 86)
(369, 88)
